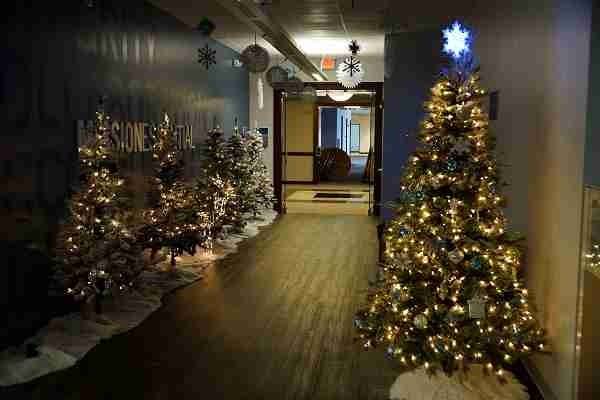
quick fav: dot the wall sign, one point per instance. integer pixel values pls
(132, 137)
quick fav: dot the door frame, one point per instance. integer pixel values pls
(279, 94)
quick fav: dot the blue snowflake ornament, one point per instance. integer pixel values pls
(457, 40)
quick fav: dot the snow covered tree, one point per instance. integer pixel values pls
(239, 169)
(263, 196)
(172, 221)
(213, 191)
(449, 293)
(96, 248)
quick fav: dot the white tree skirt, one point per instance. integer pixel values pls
(65, 340)
(474, 385)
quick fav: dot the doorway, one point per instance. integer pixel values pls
(327, 149)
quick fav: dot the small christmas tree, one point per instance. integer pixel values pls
(172, 222)
(96, 247)
(450, 293)
(239, 168)
(262, 188)
(214, 191)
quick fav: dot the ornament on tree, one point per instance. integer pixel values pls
(477, 307)
(400, 293)
(442, 314)
(421, 321)
(456, 256)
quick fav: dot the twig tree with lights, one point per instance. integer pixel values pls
(449, 293)
(96, 248)
(214, 191)
(172, 221)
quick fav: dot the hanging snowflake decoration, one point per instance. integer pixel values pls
(350, 72)
(457, 40)
(207, 56)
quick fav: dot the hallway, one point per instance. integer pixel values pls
(273, 321)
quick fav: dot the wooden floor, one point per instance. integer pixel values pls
(274, 321)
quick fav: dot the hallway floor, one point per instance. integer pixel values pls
(273, 321)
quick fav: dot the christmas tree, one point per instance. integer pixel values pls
(173, 221)
(262, 189)
(449, 292)
(214, 191)
(96, 249)
(239, 168)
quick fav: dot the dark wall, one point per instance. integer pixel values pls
(58, 58)
(592, 143)
(412, 62)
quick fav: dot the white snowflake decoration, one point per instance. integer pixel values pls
(350, 72)
(457, 40)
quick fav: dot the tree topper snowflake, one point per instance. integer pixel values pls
(207, 56)
(457, 40)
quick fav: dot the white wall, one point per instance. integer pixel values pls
(536, 53)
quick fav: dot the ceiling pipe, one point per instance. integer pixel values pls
(257, 19)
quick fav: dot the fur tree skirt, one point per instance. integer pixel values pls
(66, 340)
(473, 385)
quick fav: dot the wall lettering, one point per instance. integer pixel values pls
(134, 137)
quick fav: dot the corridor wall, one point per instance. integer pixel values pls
(541, 137)
(412, 60)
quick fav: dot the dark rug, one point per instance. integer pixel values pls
(337, 196)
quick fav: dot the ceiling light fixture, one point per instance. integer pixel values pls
(338, 95)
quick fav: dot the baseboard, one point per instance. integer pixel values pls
(536, 378)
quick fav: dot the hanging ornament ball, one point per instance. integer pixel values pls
(421, 321)
(477, 263)
(350, 72)
(456, 256)
(420, 196)
(400, 293)
(255, 58)
(276, 74)
(443, 290)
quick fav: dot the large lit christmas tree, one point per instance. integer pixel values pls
(173, 221)
(96, 249)
(449, 293)
(214, 191)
